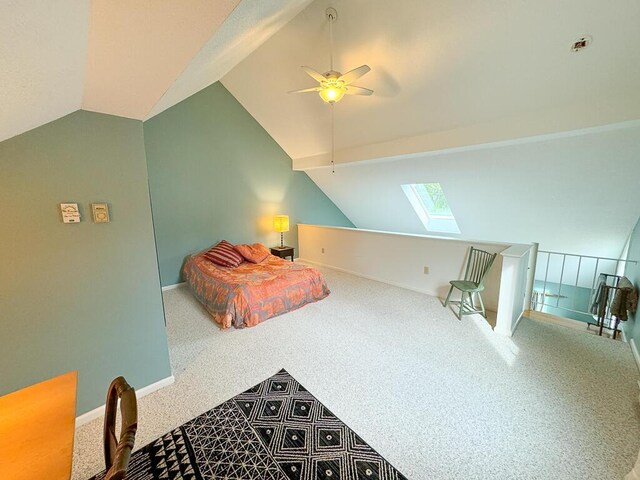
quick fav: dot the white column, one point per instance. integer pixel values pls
(513, 284)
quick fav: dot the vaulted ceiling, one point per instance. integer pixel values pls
(132, 58)
(445, 74)
(529, 140)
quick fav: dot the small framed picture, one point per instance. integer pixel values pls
(100, 212)
(70, 212)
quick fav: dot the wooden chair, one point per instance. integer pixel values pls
(117, 451)
(478, 266)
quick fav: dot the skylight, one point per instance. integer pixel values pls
(431, 206)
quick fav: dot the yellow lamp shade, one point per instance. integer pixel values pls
(281, 223)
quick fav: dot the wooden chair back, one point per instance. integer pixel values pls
(478, 266)
(117, 451)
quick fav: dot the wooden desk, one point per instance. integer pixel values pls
(37, 425)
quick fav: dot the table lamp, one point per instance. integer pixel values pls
(281, 224)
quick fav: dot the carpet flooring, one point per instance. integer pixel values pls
(437, 397)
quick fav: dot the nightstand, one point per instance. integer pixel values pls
(282, 252)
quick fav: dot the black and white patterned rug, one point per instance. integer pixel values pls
(276, 430)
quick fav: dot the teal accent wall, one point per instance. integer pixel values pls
(81, 296)
(632, 272)
(215, 173)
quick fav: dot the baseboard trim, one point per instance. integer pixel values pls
(99, 412)
(375, 279)
(175, 285)
(636, 354)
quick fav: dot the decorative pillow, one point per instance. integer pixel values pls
(253, 253)
(223, 254)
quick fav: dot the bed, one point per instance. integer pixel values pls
(251, 293)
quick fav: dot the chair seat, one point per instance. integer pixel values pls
(466, 286)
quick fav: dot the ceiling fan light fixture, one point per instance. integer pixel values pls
(331, 94)
(332, 91)
(334, 85)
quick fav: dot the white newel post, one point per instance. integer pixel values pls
(513, 285)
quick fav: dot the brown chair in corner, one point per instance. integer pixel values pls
(117, 451)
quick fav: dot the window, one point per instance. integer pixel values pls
(431, 206)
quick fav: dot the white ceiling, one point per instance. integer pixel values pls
(137, 49)
(43, 47)
(249, 25)
(450, 78)
(530, 141)
(475, 70)
(121, 57)
(574, 193)
(445, 73)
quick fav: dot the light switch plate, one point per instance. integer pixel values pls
(70, 212)
(100, 212)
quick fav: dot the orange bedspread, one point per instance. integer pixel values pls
(251, 293)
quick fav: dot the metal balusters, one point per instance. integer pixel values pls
(552, 275)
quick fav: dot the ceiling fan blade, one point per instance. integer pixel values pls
(318, 77)
(354, 74)
(304, 90)
(353, 90)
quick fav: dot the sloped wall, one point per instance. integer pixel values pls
(214, 173)
(574, 193)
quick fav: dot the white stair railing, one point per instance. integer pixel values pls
(565, 284)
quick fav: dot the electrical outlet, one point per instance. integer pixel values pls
(322, 249)
(426, 270)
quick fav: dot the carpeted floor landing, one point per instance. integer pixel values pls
(437, 397)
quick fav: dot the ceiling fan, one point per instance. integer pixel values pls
(334, 85)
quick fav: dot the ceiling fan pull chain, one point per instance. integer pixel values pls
(333, 165)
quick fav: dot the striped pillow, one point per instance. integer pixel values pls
(223, 254)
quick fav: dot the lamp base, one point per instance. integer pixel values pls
(281, 239)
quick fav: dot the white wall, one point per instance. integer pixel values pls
(398, 259)
(572, 194)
